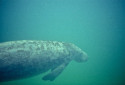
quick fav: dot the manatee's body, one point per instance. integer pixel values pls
(26, 58)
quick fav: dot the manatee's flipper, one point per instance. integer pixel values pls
(54, 72)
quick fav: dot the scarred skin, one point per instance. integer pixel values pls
(27, 58)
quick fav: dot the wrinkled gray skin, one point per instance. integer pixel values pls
(26, 58)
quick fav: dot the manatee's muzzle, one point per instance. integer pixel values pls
(82, 57)
(85, 58)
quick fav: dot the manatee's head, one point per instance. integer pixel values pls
(77, 54)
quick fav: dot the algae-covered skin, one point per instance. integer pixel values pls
(27, 58)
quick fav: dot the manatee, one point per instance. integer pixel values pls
(27, 58)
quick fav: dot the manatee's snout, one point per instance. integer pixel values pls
(81, 57)
(78, 54)
(84, 57)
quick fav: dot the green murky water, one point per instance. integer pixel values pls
(96, 26)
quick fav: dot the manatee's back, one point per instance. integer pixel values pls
(11, 53)
(16, 52)
(11, 59)
(6, 50)
(18, 59)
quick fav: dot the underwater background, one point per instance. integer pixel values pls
(96, 26)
